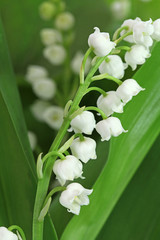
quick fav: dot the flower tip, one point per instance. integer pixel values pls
(125, 131)
(97, 30)
(70, 130)
(82, 177)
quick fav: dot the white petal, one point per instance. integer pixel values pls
(5, 234)
(100, 42)
(44, 88)
(84, 122)
(53, 116)
(84, 150)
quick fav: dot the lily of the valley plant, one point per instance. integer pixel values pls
(80, 120)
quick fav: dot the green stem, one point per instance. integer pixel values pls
(19, 229)
(80, 135)
(126, 48)
(123, 36)
(96, 89)
(107, 76)
(97, 110)
(83, 65)
(43, 183)
(51, 154)
(118, 31)
(53, 191)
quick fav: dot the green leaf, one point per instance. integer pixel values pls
(141, 118)
(17, 171)
(136, 216)
(49, 230)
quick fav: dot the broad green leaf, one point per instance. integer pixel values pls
(137, 215)
(141, 118)
(49, 230)
(17, 171)
(17, 166)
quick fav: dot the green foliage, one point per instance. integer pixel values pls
(17, 171)
(136, 216)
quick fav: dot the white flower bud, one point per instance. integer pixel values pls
(77, 61)
(5, 234)
(128, 89)
(47, 10)
(113, 66)
(74, 197)
(83, 123)
(136, 56)
(130, 24)
(109, 127)
(44, 88)
(53, 116)
(35, 72)
(32, 140)
(120, 9)
(38, 108)
(55, 54)
(110, 104)
(84, 150)
(156, 33)
(65, 21)
(50, 36)
(142, 32)
(100, 42)
(67, 169)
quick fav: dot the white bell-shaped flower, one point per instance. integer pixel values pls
(137, 56)
(120, 9)
(47, 10)
(35, 72)
(109, 127)
(55, 54)
(100, 42)
(83, 123)
(113, 66)
(44, 88)
(38, 108)
(77, 61)
(53, 116)
(5, 234)
(130, 24)
(128, 89)
(142, 32)
(32, 140)
(67, 169)
(156, 33)
(65, 21)
(84, 150)
(74, 197)
(110, 103)
(50, 36)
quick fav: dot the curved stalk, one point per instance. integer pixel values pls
(43, 183)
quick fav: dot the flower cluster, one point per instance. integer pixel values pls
(57, 39)
(84, 148)
(45, 89)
